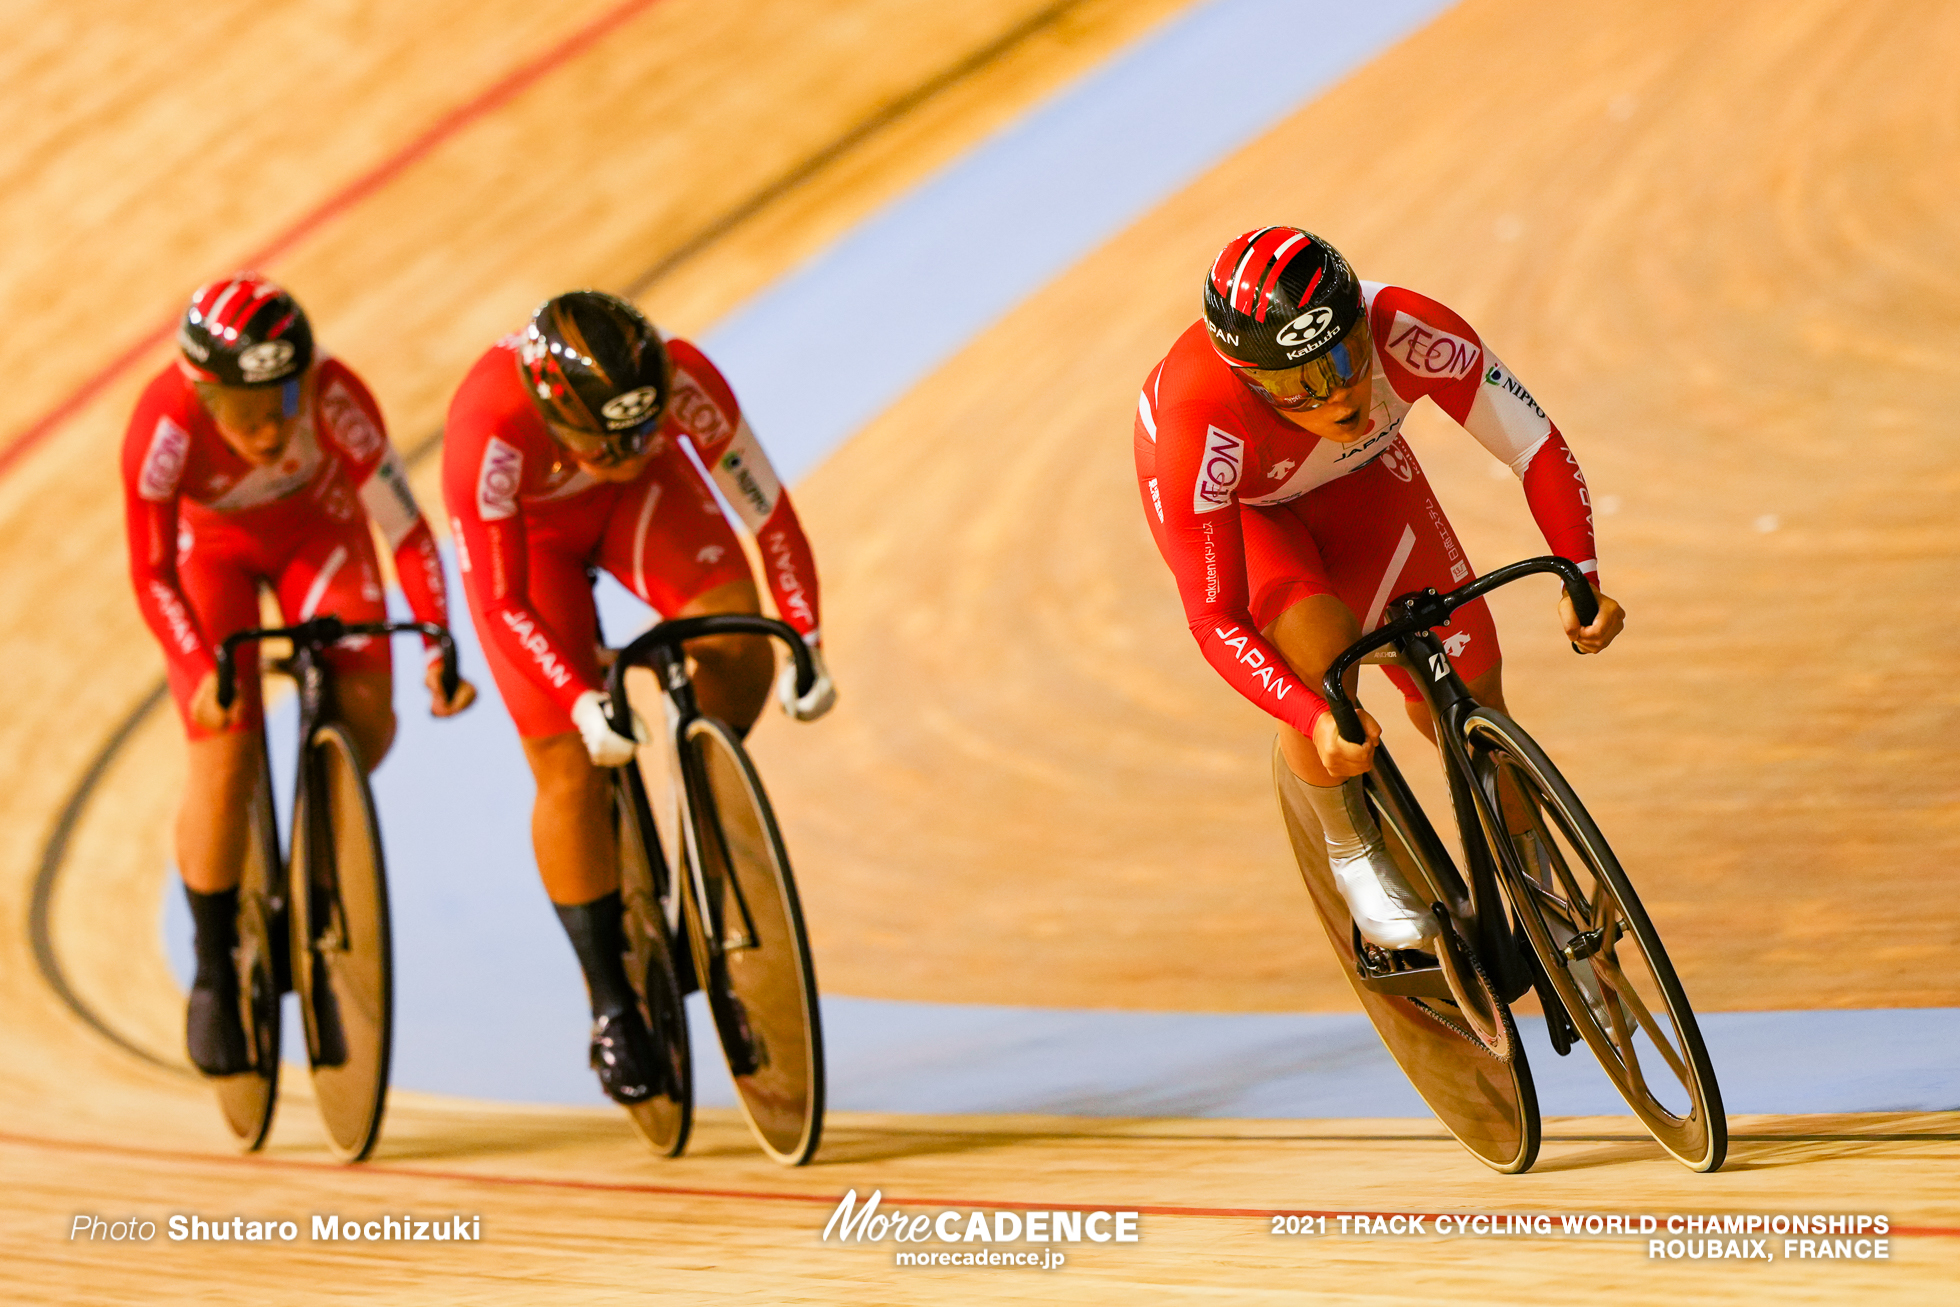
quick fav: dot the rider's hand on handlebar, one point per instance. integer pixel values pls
(1591, 639)
(449, 706)
(1337, 755)
(607, 747)
(821, 698)
(205, 710)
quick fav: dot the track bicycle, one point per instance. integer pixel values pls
(326, 905)
(1541, 904)
(729, 894)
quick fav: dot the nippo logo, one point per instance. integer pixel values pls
(1218, 471)
(497, 481)
(630, 409)
(1307, 330)
(266, 361)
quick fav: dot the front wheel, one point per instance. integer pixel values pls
(750, 949)
(1595, 944)
(342, 954)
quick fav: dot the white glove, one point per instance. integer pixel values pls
(608, 747)
(821, 698)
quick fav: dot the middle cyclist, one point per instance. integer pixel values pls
(586, 440)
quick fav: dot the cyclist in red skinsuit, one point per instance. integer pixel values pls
(587, 441)
(1280, 492)
(252, 461)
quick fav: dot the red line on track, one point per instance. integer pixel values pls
(493, 97)
(753, 1195)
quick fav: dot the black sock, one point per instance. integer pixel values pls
(598, 936)
(216, 919)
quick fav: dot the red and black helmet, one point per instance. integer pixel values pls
(1278, 297)
(594, 365)
(244, 331)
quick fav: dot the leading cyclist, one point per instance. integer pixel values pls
(253, 460)
(1280, 491)
(588, 440)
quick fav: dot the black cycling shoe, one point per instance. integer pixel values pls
(625, 1058)
(213, 1033)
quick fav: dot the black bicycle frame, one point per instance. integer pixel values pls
(308, 668)
(1408, 629)
(659, 650)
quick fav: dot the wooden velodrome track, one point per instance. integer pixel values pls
(1718, 243)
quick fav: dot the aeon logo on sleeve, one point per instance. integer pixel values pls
(348, 423)
(1428, 351)
(1218, 471)
(497, 481)
(163, 465)
(1310, 329)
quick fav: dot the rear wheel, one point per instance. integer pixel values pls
(751, 951)
(342, 954)
(1596, 947)
(1483, 1097)
(666, 1118)
(248, 1100)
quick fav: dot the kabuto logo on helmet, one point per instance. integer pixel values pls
(1307, 330)
(266, 361)
(630, 409)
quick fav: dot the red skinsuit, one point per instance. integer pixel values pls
(527, 522)
(1215, 464)
(205, 527)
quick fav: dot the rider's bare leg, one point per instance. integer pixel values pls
(211, 826)
(731, 673)
(571, 820)
(1310, 635)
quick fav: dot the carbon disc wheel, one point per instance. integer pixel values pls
(341, 946)
(750, 948)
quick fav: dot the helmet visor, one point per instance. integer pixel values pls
(605, 449)
(1309, 384)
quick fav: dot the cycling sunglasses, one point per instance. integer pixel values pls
(1310, 384)
(606, 449)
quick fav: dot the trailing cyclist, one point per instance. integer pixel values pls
(256, 460)
(1283, 497)
(587, 441)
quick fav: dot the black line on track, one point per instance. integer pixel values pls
(55, 851)
(803, 171)
(915, 98)
(54, 854)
